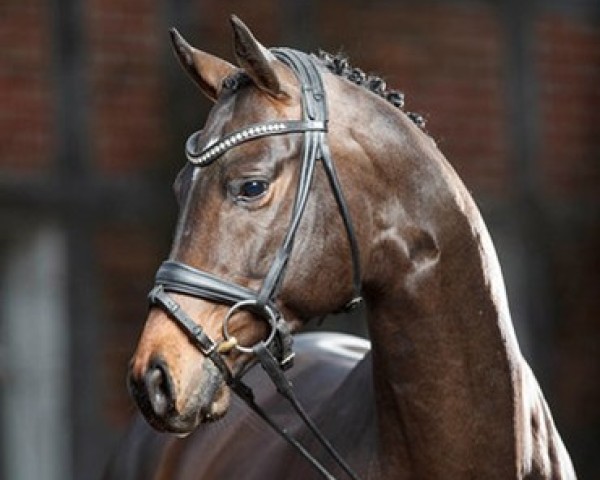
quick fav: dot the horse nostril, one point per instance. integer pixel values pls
(158, 388)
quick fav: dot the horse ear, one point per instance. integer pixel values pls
(258, 62)
(206, 70)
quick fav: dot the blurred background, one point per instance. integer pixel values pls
(94, 112)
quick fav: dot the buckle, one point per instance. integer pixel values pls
(288, 362)
(353, 304)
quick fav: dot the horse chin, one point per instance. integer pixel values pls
(183, 424)
(208, 403)
(217, 408)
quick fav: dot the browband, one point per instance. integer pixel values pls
(253, 132)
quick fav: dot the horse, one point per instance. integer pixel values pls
(310, 190)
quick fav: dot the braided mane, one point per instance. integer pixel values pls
(339, 65)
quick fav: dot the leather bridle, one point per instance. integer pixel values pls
(275, 352)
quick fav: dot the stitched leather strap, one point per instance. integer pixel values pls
(181, 278)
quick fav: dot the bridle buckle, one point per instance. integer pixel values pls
(353, 304)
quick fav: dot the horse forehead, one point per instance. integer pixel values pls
(246, 105)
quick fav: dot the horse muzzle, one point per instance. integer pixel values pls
(165, 408)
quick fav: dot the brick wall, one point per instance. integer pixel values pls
(125, 81)
(568, 165)
(568, 59)
(26, 102)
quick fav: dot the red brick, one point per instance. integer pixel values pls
(125, 82)
(27, 141)
(568, 58)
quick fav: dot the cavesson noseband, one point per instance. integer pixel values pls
(275, 352)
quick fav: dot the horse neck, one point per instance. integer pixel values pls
(445, 358)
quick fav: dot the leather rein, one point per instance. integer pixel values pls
(275, 352)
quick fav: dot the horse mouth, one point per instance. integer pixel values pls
(217, 408)
(208, 402)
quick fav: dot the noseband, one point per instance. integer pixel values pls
(275, 352)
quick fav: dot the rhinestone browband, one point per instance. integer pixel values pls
(213, 151)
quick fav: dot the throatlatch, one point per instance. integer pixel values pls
(275, 352)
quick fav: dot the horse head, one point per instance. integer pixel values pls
(235, 213)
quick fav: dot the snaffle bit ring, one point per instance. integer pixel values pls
(264, 311)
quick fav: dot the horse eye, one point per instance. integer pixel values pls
(252, 189)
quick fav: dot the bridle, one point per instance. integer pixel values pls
(275, 352)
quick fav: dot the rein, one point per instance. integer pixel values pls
(275, 352)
